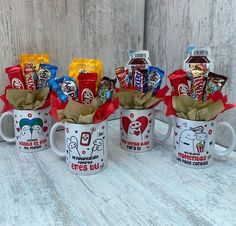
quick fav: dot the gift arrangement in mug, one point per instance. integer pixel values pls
(82, 101)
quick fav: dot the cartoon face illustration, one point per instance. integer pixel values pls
(189, 137)
(72, 144)
(134, 129)
(201, 136)
(85, 138)
(98, 145)
(31, 127)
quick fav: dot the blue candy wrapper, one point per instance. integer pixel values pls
(64, 86)
(45, 73)
(154, 78)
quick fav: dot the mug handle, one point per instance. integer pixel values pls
(54, 146)
(164, 137)
(2, 130)
(233, 143)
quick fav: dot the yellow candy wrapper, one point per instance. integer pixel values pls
(80, 65)
(34, 59)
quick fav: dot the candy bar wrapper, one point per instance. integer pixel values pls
(185, 107)
(154, 78)
(26, 99)
(87, 87)
(123, 76)
(64, 87)
(81, 66)
(45, 73)
(198, 64)
(75, 112)
(34, 59)
(105, 90)
(198, 72)
(30, 66)
(134, 99)
(179, 83)
(214, 83)
(16, 78)
(140, 79)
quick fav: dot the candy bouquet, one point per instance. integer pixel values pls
(27, 101)
(139, 94)
(196, 101)
(196, 90)
(81, 103)
(84, 96)
(140, 82)
(29, 83)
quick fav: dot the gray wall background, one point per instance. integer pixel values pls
(107, 29)
(170, 26)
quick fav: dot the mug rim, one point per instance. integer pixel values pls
(86, 124)
(25, 110)
(200, 121)
(133, 109)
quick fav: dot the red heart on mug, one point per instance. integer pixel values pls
(126, 123)
(18, 129)
(45, 128)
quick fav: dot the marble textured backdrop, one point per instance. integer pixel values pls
(170, 26)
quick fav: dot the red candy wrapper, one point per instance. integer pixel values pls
(30, 77)
(123, 77)
(179, 82)
(15, 77)
(87, 87)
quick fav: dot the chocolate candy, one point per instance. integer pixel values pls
(179, 83)
(198, 72)
(30, 77)
(64, 86)
(154, 78)
(214, 83)
(123, 77)
(140, 79)
(45, 73)
(105, 90)
(15, 77)
(87, 87)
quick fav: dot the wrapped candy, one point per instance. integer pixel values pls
(123, 77)
(87, 87)
(105, 90)
(81, 66)
(154, 78)
(64, 86)
(16, 78)
(179, 83)
(45, 73)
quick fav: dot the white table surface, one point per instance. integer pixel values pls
(136, 189)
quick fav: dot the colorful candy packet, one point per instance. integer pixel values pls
(16, 78)
(87, 87)
(80, 66)
(64, 86)
(30, 65)
(198, 64)
(214, 83)
(123, 77)
(45, 73)
(105, 90)
(154, 78)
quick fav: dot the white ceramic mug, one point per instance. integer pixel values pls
(194, 142)
(86, 147)
(31, 129)
(137, 129)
